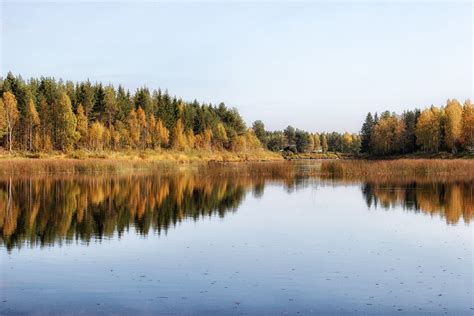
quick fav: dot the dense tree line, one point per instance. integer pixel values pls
(300, 141)
(44, 114)
(447, 128)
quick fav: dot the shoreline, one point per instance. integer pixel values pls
(121, 161)
(144, 155)
(205, 156)
(345, 156)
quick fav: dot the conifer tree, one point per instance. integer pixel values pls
(259, 130)
(134, 128)
(110, 106)
(410, 119)
(85, 96)
(290, 135)
(366, 133)
(46, 126)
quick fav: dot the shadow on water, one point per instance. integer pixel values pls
(44, 210)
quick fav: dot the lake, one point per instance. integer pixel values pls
(234, 240)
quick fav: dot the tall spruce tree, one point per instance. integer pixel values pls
(366, 133)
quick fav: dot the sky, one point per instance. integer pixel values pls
(318, 66)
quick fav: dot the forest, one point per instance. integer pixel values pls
(42, 115)
(448, 128)
(45, 114)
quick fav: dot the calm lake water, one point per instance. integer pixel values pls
(235, 243)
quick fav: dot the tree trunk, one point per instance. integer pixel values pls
(10, 140)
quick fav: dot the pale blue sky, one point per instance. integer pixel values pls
(314, 65)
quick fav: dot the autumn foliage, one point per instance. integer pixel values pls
(40, 115)
(447, 128)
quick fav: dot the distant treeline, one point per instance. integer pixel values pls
(447, 128)
(45, 114)
(300, 141)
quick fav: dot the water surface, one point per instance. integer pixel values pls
(235, 243)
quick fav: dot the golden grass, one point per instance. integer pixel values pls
(310, 156)
(223, 162)
(120, 161)
(399, 170)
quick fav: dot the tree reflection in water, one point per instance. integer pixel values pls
(452, 201)
(42, 210)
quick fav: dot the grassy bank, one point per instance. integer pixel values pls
(115, 161)
(365, 169)
(337, 155)
(316, 156)
(421, 155)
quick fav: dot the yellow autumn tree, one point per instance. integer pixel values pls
(11, 115)
(204, 139)
(150, 136)
(467, 132)
(428, 130)
(324, 143)
(65, 123)
(122, 134)
(346, 142)
(96, 135)
(246, 142)
(3, 120)
(252, 140)
(179, 137)
(191, 139)
(220, 137)
(453, 127)
(143, 127)
(114, 141)
(387, 136)
(107, 137)
(161, 134)
(317, 142)
(32, 124)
